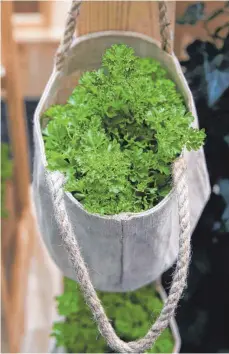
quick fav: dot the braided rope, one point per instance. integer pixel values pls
(71, 21)
(165, 28)
(69, 30)
(55, 182)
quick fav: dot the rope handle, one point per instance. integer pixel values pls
(71, 22)
(55, 181)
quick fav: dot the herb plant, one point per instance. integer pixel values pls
(131, 314)
(118, 134)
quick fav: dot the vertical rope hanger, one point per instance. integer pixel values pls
(71, 22)
(165, 28)
(69, 29)
(55, 182)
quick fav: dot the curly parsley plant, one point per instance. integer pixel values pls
(119, 133)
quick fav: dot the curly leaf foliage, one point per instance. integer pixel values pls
(118, 134)
(131, 314)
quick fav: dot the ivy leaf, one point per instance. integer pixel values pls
(193, 14)
(217, 79)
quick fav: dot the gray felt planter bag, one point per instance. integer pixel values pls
(123, 252)
(126, 251)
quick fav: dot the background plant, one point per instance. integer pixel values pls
(118, 134)
(201, 325)
(208, 64)
(6, 173)
(131, 314)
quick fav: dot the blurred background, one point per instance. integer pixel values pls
(31, 31)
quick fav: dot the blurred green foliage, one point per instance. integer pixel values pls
(131, 315)
(6, 173)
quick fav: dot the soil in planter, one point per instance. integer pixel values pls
(131, 315)
(119, 133)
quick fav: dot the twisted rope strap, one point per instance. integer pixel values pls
(55, 182)
(69, 29)
(71, 22)
(165, 28)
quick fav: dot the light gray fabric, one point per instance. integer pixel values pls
(126, 251)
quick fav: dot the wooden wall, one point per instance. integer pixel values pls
(36, 50)
(138, 16)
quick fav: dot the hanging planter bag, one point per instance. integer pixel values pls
(126, 251)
